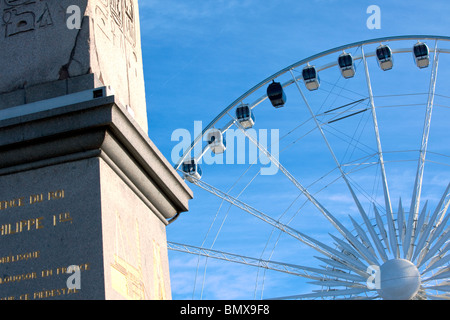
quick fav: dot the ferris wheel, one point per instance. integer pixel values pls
(356, 199)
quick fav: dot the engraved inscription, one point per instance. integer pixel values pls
(32, 199)
(25, 15)
(102, 20)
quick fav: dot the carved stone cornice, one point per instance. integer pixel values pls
(98, 128)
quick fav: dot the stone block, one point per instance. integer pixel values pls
(40, 46)
(12, 99)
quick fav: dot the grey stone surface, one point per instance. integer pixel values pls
(37, 47)
(11, 99)
(48, 90)
(134, 243)
(56, 223)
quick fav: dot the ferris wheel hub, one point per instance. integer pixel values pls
(400, 280)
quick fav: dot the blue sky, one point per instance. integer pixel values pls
(199, 56)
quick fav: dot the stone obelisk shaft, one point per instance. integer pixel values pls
(54, 47)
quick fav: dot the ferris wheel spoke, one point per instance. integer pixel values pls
(445, 287)
(434, 228)
(381, 233)
(340, 266)
(441, 224)
(418, 226)
(381, 228)
(400, 224)
(313, 243)
(351, 262)
(260, 215)
(349, 259)
(426, 234)
(438, 297)
(387, 198)
(415, 200)
(376, 240)
(351, 141)
(330, 283)
(230, 257)
(362, 236)
(421, 223)
(344, 175)
(345, 247)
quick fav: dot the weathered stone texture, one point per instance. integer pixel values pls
(38, 47)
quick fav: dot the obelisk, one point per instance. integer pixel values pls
(85, 195)
(44, 54)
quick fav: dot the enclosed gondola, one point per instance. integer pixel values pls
(191, 169)
(421, 54)
(384, 57)
(276, 94)
(311, 77)
(346, 65)
(216, 141)
(245, 116)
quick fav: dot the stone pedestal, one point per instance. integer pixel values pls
(82, 185)
(85, 196)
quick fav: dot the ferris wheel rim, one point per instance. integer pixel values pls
(329, 52)
(277, 74)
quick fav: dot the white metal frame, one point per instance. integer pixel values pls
(424, 239)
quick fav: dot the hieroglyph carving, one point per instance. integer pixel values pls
(121, 14)
(25, 15)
